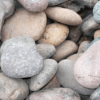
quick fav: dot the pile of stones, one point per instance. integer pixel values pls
(49, 50)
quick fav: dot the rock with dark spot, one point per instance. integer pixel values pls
(34, 5)
(95, 95)
(20, 58)
(55, 94)
(87, 67)
(65, 76)
(46, 50)
(12, 89)
(48, 72)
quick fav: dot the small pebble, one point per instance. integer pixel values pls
(64, 50)
(97, 34)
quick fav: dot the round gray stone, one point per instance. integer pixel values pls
(19, 58)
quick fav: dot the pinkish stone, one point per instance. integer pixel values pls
(87, 67)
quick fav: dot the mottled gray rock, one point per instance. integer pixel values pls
(55, 94)
(48, 72)
(12, 89)
(95, 95)
(19, 58)
(89, 26)
(83, 46)
(46, 50)
(65, 76)
(56, 2)
(96, 12)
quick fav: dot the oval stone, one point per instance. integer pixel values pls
(12, 89)
(63, 15)
(55, 94)
(48, 72)
(87, 67)
(97, 34)
(65, 76)
(54, 34)
(19, 58)
(34, 5)
(24, 23)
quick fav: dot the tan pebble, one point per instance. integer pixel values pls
(97, 34)
(63, 15)
(24, 23)
(54, 34)
(65, 49)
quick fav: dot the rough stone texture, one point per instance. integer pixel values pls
(24, 23)
(83, 46)
(34, 5)
(89, 26)
(96, 12)
(65, 76)
(63, 15)
(56, 2)
(19, 58)
(64, 50)
(97, 34)
(74, 57)
(86, 69)
(12, 89)
(48, 72)
(52, 84)
(95, 95)
(75, 33)
(55, 94)
(84, 38)
(46, 50)
(54, 34)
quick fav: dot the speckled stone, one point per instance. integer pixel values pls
(97, 34)
(24, 23)
(34, 5)
(56, 2)
(96, 12)
(64, 50)
(48, 72)
(46, 50)
(83, 46)
(87, 67)
(55, 94)
(12, 89)
(63, 15)
(19, 58)
(95, 95)
(65, 76)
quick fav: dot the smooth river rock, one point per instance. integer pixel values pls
(46, 50)
(20, 58)
(86, 69)
(97, 34)
(12, 89)
(64, 50)
(54, 34)
(65, 76)
(48, 72)
(24, 23)
(34, 5)
(63, 15)
(55, 94)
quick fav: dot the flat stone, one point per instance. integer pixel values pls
(55, 94)
(48, 72)
(46, 50)
(20, 58)
(34, 5)
(63, 15)
(65, 76)
(12, 89)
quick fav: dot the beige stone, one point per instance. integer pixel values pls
(54, 34)
(97, 34)
(24, 23)
(64, 50)
(63, 15)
